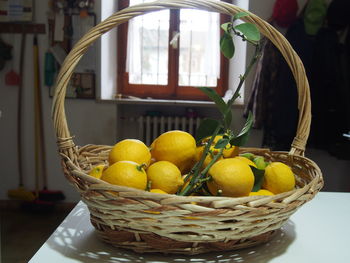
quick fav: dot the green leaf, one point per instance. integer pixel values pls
(227, 46)
(242, 137)
(226, 26)
(250, 31)
(220, 103)
(221, 143)
(240, 15)
(258, 178)
(206, 128)
(214, 96)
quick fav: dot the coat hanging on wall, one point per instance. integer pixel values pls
(326, 58)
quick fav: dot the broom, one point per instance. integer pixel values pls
(45, 194)
(20, 193)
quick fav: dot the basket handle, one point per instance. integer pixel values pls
(64, 139)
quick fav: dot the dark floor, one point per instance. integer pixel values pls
(24, 232)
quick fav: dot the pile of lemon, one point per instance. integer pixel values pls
(162, 167)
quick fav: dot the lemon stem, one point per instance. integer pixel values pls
(201, 177)
(197, 167)
(254, 59)
(141, 166)
(149, 185)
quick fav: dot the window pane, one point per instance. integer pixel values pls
(199, 62)
(147, 57)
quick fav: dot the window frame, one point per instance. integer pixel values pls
(172, 90)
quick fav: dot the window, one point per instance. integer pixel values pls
(166, 54)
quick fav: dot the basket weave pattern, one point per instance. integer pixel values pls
(147, 222)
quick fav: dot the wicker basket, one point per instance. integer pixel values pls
(147, 222)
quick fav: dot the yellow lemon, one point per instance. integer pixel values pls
(232, 176)
(130, 150)
(261, 192)
(246, 160)
(97, 171)
(230, 150)
(152, 144)
(177, 147)
(165, 176)
(126, 173)
(157, 191)
(278, 178)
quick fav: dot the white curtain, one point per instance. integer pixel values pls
(199, 63)
(147, 48)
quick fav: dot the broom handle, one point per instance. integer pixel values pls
(39, 118)
(19, 111)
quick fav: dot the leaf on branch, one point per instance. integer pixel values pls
(220, 103)
(242, 137)
(227, 46)
(221, 144)
(206, 128)
(240, 15)
(258, 178)
(214, 96)
(226, 26)
(250, 31)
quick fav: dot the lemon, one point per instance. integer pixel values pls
(97, 171)
(278, 178)
(232, 176)
(229, 151)
(157, 191)
(261, 192)
(126, 173)
(177, 147)
(246, 160)
(130, 150)
(165, 176)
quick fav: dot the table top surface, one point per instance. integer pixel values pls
(318, 232)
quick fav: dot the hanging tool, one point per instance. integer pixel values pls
(40, 153)
(20, 193)
(44, 201)
(12, 78)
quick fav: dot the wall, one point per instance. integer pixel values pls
(89, 121)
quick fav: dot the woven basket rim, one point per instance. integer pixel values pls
(98, 184)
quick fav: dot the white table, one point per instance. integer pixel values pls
(318, 232)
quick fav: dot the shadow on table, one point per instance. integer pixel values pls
(83, 244)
